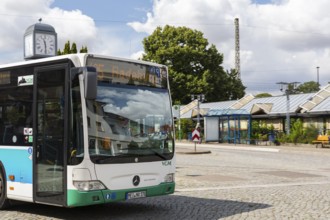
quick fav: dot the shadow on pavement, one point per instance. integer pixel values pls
(167, 207)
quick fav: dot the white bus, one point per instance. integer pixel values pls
(83, 129)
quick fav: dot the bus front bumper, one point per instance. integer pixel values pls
(79, 198)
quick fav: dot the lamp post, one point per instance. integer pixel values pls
(199, 98)
(317, 76)
(178, 108)
(287, 93)
(286, 87)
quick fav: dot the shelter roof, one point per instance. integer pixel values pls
(276, 105)
(221, 112)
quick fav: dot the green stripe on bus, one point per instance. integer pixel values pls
(78, 198)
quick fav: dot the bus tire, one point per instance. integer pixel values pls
(4, 202)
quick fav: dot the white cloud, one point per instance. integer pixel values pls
(109, 43)
(119, 41)
(74, 25)
(137, 55)
(282, 41)
(17, 16)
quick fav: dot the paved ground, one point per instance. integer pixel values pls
(264, 182)
(231, 182)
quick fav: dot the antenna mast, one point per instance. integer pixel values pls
(237, 56)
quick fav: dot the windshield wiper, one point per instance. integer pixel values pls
(104, 159)
(100, 159)
(156, 153)
(142, 149)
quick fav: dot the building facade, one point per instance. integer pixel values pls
(230, 121)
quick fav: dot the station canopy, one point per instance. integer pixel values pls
(227, 112)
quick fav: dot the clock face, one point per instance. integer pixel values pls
(45, 44)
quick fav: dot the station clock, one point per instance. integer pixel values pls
(40, 40)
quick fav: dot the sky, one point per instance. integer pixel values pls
(280, 40)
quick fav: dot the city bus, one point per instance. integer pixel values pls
(83, 129)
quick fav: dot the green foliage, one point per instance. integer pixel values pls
(263, 95)
(187, 126)
(299, 134)
(308, 87)
(283, 138)
(234, 88)
(67, 48)
(83, 49)
(260, 130)
(71, 49)
(194, 65)
(311, 133)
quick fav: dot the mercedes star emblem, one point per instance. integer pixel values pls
(136, 180)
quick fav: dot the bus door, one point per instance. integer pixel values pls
(50, 113)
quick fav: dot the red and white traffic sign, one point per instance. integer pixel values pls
(195, 135)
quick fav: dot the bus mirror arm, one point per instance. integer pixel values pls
(90, 80)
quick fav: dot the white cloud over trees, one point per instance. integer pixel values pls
(284, 40)
(280, 41)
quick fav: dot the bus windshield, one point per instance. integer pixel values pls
(128, 123)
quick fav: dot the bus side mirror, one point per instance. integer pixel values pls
(90, 82)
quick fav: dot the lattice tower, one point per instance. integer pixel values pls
(237, 55)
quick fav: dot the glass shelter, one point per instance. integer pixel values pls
(228, 125)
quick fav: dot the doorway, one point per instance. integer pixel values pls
(49, 135)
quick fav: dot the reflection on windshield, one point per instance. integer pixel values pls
(129, 120)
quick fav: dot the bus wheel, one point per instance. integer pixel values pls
(4, 202)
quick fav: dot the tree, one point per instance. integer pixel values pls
(308, 87)
(235, 88)
(263, 95)
(83, 50)
(67, 48)
(194, 65)
(71, 49)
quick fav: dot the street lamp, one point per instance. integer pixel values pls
(178, 108)
(200, 98)
(317, 77)
(286, 87)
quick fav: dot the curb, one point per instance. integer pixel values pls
(195, 152)
(230, 147)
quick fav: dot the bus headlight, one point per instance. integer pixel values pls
(88, 185)
(169, 178)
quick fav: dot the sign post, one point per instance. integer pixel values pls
(195, 137)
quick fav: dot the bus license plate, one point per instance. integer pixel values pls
(135, 195)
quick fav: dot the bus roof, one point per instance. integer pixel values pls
(78, 60)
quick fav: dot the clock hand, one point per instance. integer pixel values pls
(45, 46)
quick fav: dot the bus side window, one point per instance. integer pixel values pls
(7, 134)
(19, 131)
